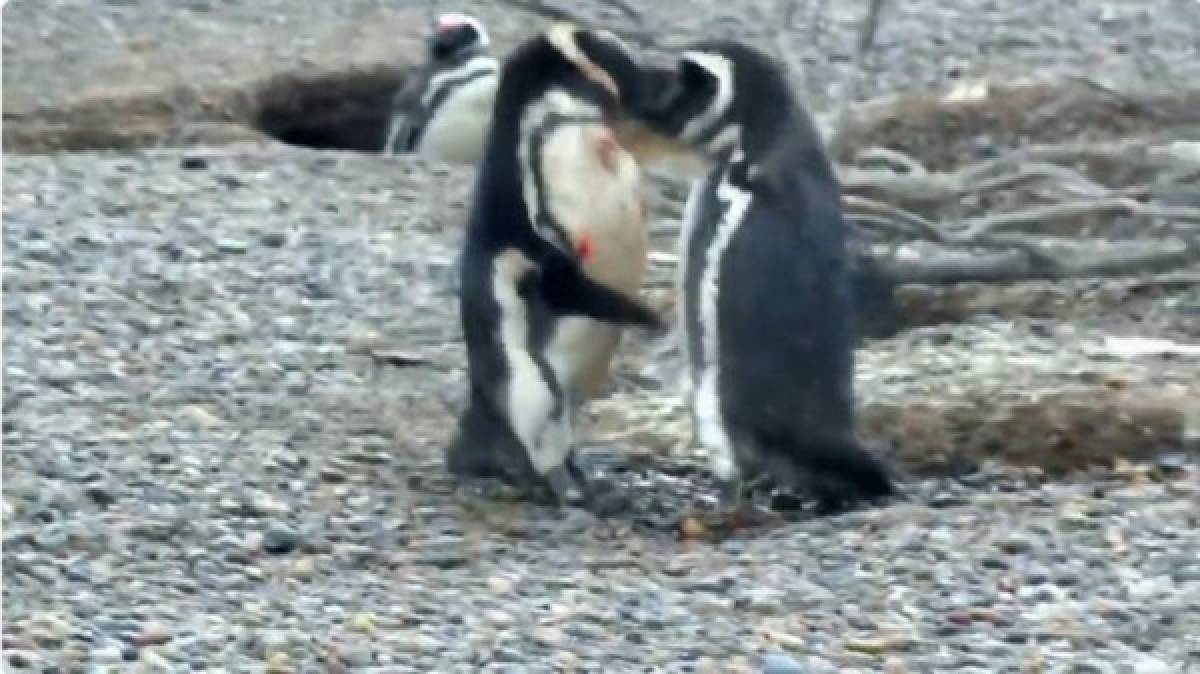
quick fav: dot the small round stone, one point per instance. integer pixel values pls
(280, 539)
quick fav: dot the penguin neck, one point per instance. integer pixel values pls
(460, 57)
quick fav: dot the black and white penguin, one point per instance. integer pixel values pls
(555, 250)
(443, 111)
(767, 311)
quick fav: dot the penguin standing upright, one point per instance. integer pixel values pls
(555, 248)
(767, 310)
(443, 111)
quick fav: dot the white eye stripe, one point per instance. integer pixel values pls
(476, 66)
(721, 69)
(562, 37)
(612, 37)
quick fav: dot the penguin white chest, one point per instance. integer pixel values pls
(701, 301)
(457, 131)
(592, 191)
(588, 184)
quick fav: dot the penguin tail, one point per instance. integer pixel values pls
(840, 471)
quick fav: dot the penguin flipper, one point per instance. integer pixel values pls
(401, 135)
(567, 290)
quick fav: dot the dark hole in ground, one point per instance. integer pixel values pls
(334, 111)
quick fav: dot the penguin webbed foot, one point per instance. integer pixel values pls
(571, 487)
(832, 496)
(831, 502)
(494, 489)
(606, 499)
(568, 491)
(729, 495)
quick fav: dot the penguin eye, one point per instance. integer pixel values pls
(693, 77)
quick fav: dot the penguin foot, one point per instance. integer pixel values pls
(828, 506)
(729, 495)
(568, 490)
(571, 487)
(606, 499)
(491, 489)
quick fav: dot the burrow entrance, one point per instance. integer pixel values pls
(349, 110)
(343, 110)
(338, 111)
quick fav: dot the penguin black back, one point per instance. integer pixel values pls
(767, 311)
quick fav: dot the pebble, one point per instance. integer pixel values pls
(19, 659)
(567, 661)
(444, 554)
(499, 618)
(1186, 573)
(153, 634)
(358, 657)
(364, 622)
(49, 631)
(781, 664)
(100, 494)
(303, 568)
(279, 663)
(108, 654)
(232, 246)
(416, 642)
(192, 163)
(273, 239)
(151, 661)
(549, 637)
(762, 601)
(280, 539)
(52, 537)
(499, 585)
(1014, 546)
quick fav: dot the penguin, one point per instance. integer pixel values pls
(443, 112)
(554, 252)
(767, 311)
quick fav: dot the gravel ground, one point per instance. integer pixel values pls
(201, 470)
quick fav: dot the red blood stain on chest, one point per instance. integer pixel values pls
(585, 247)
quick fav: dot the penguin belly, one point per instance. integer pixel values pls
(456, 133)
(604, 212)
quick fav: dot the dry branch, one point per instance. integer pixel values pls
(1056, 260)
(903, 178)
(884, 183)
(1113, 206)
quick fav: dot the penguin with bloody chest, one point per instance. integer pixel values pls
(767, 313)
(554, 254)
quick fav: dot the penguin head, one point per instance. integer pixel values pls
(715, 91)
(454, 34)
(600, 56)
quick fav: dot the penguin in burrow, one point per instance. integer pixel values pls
(444, 109)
